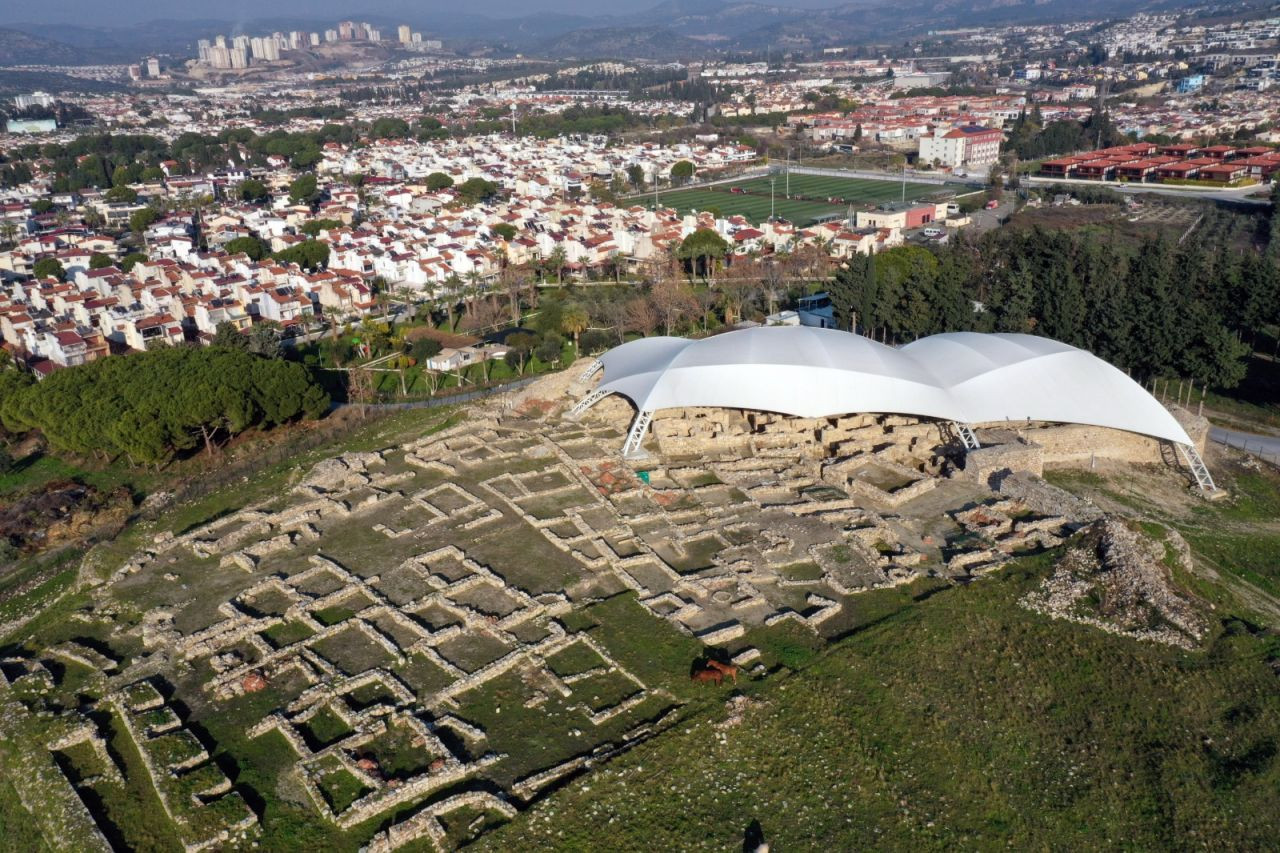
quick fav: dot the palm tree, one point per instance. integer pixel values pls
(406, 295)
(557, 260)
(451, 285)
(474, 288)
(615, 262)
(513, 284)
(532, 283)
(573, 321)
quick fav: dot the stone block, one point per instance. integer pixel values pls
(723, 634)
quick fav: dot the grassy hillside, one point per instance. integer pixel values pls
(963, 721)
(947, 715)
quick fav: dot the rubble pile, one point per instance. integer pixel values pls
(1114, 579)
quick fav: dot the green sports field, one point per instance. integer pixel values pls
(812, 197)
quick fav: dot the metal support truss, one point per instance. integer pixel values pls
(638, 428)
(1198, 469)
(593, 368)
(966, 436)
(587, 402)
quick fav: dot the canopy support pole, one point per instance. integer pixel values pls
(967, 436)
(587, 402)
(636, 434)
(593, 368)
(1198, 469)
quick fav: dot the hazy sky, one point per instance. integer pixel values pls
(106, 12)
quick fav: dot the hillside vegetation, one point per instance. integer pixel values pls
(960, 721)
(963, 720)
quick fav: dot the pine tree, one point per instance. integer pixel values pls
(1155, 337)
(1013, 298)
(1104, 272)
(953, 310)
(1063, 312)
(1212, 354)
(849, 290)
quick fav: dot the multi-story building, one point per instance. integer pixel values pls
(35, 99)
(967, 147)
(1190, 83)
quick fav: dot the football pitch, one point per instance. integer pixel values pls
(812, 197)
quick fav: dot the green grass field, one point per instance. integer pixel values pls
(808, 202)
(961, 722)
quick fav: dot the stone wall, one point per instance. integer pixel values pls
(715, 432)
(1076, 445)
(1011, 453)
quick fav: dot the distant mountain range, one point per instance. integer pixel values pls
(684, 28)
(720, 25)
(22, 48)
(669, 30)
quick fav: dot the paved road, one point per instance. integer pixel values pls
(1239, 196)
(1268, 445)
(985, 220)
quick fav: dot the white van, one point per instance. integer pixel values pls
(933, 231)
(953, 209)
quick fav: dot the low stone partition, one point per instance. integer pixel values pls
(882, 480)
(426, 823)
(193, 791)
(1013, 453)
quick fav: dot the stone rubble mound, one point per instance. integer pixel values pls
(342, 472)
(1046, 498)
(1114, 579)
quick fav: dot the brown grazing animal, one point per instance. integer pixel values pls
(702, 676)
(726, 669)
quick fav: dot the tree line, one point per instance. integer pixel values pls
(152, 406)
(1155, 309)
(1031, 138)
(574, 120)
(105, 160)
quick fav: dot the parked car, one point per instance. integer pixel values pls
(992, 205)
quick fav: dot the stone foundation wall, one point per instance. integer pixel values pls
(1071, 446)
(1075, 445)
(906, 440)
(1017, 455)
(725, 432)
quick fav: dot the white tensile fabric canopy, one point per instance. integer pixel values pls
(966, 377)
